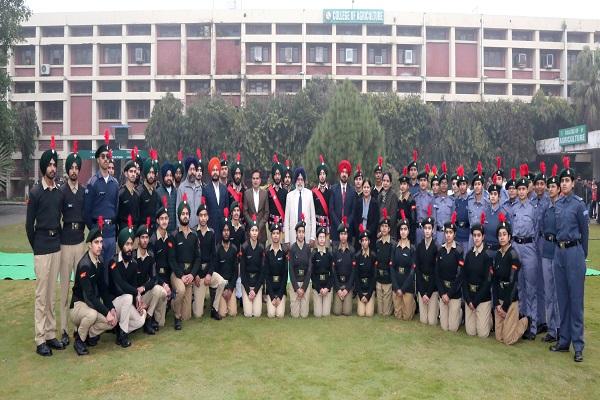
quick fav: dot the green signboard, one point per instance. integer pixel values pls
(118, 154)
(573, 135)
(352, 16)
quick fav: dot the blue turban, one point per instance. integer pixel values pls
(190, 161)
(299, 172)
(166, 168)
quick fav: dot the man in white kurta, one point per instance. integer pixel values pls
(299, 202)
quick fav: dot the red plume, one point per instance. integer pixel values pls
(415, 155)
(554, 169)
(513, 174)
(198, 153)
(184, 198)
(302, 217)
(482, 219)
(164, 201)
(501, 217)
(402, 214)
(498, 162)
(384, 212)
(179, 155)
(460, 170)
(224, 156)
(494, 179)
(203, 200)
(429, 210)
(427, 168)
(110, 154)
(380, 161)
(526, 168)
(345, 220)
(129, 221)
(238, 157)
(75, 146)
(361, 228)
(566, 162)
(358, 168)
(322, 221)
(148, 223)
(405, 171)
(479, 168)
(254, 218)
(136, 151)
(226, 212)
(275, 158)
(106, 137)
(100, 222)
(434, 169)
(132, 154)
(453, 218)
(321, 159)
(276, 219)
(543, 167)
(52, 143)
(444, 167)
(288, 163)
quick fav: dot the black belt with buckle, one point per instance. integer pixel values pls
(550, 237)
(492, 246)
(473, 288)
(521, 240)
(504, 284)
(49, 232)
(426, 277)
(203, 266)
(342, 278)
(252, 274)
(75, 226)
(447, 284)
(568, 243)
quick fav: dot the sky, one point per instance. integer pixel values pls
(588, 9)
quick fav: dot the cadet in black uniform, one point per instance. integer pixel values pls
(426, 257)
(321, 194)
(161, 243)
(407, 203)
(238, 230)
(149, 200)
(366, 264)
(276, 272)
(129, 200)
(277, 193)
(403, 273)
(300, 272)
(343, 268)
(252, 272)
(322, 277)
(384, 248)
(226, 265)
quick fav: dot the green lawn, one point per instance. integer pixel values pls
(336, 357)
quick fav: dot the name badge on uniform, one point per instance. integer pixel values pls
(447, 284)
(279, 258)
(361, 264)
(339, 260)
(222, 261)
(179, 244)
(323, 277)
(146, 201)
(101, 193)
(126, 201)
(276, 278)
(365, 280)
(161, 270)
(69, 205)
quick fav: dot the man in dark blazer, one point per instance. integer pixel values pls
(341, 202)
(256, 202)
(216, 197)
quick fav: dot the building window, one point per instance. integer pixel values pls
(522, 35)
(81, 87)
(81, 31)
(109, 86)
(168, 86)
(139, 53)
(228, 86)
(263, 87)
(577, 37)
(288, 29)
(289, 54)
(378, 54)
(258, 29)
(522, 58)
(110, 54)
(110, 30)
(467, 88)
(408, 55)
(81, 54)
(522, 90)
(465, 34)
(24, 55)
(549, 59)
(495, 88)
(52, 110)
(551, 90)
(110, 109)
(200, 86)
(228, 30)
(52, 87)
(437, 33)
(493, 58)
(438, 87)
(409, 87)
(138, 30)
(597, 37)
(379, 30)
(550, 36)
(288, 86)
(53, 31)
(138, 86)
(138, 109)
(54, 55)
(318, 53)
(410, 31)
(258, 53)
(349, 29)
(169, 30)
(379, 86)
(494, 34)
(24, 87)
(27, 31)
(347, 54)
(197, 30)
(318, 29)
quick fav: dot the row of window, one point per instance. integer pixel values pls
(81, 54)
(523, 58)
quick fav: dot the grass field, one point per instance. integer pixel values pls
(335, 357)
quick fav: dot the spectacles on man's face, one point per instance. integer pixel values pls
(104, 156)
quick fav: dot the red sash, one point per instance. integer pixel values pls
(234, 193)
(273, 195)
(319, 195)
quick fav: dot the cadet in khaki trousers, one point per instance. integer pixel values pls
(426, 255)
(227, 266)
(276, 272)
(89, 314)
(508, 326)
(403, 274)
(252, 272)
(322, 277)
(300, 272)
(448, 277)
(365, 276)
(343, 273)
(384, 249)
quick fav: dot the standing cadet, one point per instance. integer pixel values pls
(236, 187)
(252, 272)
(548, 230)
(389, 200)
(358, 180)
(72, 246)
(499, 180)
(509, 325)
(161, 243)
(277, 194)
(149, 200)
(321, 196)
(185, 256)
(287, 176)
(378, 174)
(413, 171)
(511, 190)
(224, 171)
(167, 191)
(300, 272)
(343, 272)
(477, 202)
(461, 205)
(178, 172)
(226, 265)
(365, 276)
(407, 204)
(89, 314)
(102, 198)
(425, 260)
(448, 277)
(191, 187)
(238, 231)
(403, 273)
(569, 263)
(322, 277)
(276, 272)
(129, 199)
(477, 284)
(384, 249)
(43, 232)
(491, 222)
(443, 206)
(342, 201)
(423, 199)
(524, 230)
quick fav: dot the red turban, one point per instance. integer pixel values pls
(344, 164)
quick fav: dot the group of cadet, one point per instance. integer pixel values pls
(507, 258)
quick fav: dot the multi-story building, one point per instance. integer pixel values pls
(85, 72)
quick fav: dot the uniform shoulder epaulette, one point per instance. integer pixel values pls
(514, 254)
(92, 180)
(577, 197)
(459, 248)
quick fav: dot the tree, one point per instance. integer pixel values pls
(349, 130)
(549, 114)
(586, 89)
(166, 129)
(26, 133)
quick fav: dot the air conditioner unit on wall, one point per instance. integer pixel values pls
(349, 56)
(549, 61)
(408, 56)
(45, 70)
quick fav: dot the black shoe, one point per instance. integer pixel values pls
(548, 338)
(177, 324)
(65, 339)
(148, 330)
(43, 350)
(80, 347)
(528, 336)
(92, 341)
(55, 344)
(542, 328)
(556, 348)
(578, 357)
(155, 325)
(123, 339)
(214, 314)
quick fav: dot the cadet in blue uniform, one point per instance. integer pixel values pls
(511, 190)
(492, 221)
(499, 180)
(423, 199)
(569, 263)
(477, 202)
(525, 228)
(413, 172)
(443, 206)
(548, 230)
(461, 205)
